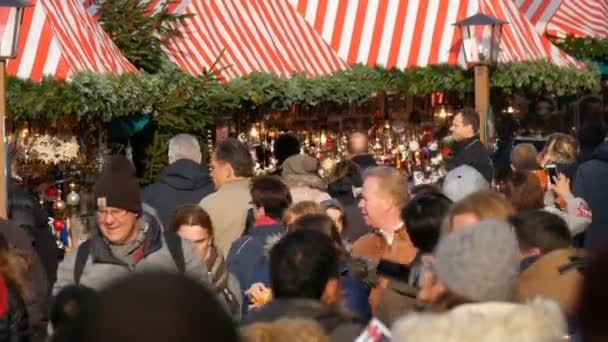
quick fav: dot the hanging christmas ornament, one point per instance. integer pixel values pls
(73, 199)
(51, 192)
(58, 224)
(433, 145)
(59, 205)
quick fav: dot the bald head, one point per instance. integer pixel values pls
(524, 157)
(358, 143)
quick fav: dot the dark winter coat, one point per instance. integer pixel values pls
(36, 281)
(25, 211)
(364, 161)
(339, 325)
(249, 251)
(591, 184)
(472, 152)
(183, 182)
(13, 314)
(341, 190)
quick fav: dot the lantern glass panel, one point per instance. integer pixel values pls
(480, 43)
(10, 24)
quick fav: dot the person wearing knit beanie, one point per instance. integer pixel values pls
(118, 201)
(476, 264)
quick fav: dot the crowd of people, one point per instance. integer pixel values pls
(214, 253)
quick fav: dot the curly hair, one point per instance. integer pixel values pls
(14, 265)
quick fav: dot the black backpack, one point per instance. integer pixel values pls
(173, 241)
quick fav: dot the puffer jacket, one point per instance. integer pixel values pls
(538, 320)
(13, 314)
(103, 268)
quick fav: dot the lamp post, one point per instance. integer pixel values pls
(10, 29)
(480, 42)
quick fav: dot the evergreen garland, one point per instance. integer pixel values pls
(180, 103)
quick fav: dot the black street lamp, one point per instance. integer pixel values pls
(481, 36)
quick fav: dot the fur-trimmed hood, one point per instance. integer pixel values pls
(536, 321)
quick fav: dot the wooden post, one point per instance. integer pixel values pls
(482, 97)
(3, 166)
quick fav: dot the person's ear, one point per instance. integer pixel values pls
(331, 295)
(258, 212)
(534, 251)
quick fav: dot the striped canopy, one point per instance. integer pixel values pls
(249, 35)
(59, 38)
(401, 33)
(563, 17)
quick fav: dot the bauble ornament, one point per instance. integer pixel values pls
(73, 199)
(58, 224)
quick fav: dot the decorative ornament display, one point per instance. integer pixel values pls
(51, 149)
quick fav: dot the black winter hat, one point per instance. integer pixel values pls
(117, 186)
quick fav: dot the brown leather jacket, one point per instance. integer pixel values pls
(374, 246)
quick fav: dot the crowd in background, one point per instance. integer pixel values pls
(214, 253)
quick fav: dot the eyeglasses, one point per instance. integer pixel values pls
(115, 213)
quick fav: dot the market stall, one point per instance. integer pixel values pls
(58, 158)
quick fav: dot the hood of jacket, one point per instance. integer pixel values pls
(538, 320)
(601, 152)
(185, 174)
(556, 275)
(329, 317)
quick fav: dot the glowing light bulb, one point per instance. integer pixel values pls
(254, 132)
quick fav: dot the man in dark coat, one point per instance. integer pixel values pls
(590, 183)
(358, 149)
(183, 181)
(25, 212)
(468, 149)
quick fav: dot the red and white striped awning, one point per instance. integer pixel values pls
(401, 33)
(59, 38)
(565, 17)
(249, 35)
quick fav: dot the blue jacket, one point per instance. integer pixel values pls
(247, 251)
(590, 183)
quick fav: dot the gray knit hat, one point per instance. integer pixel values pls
(463, 181)
(480, 262)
